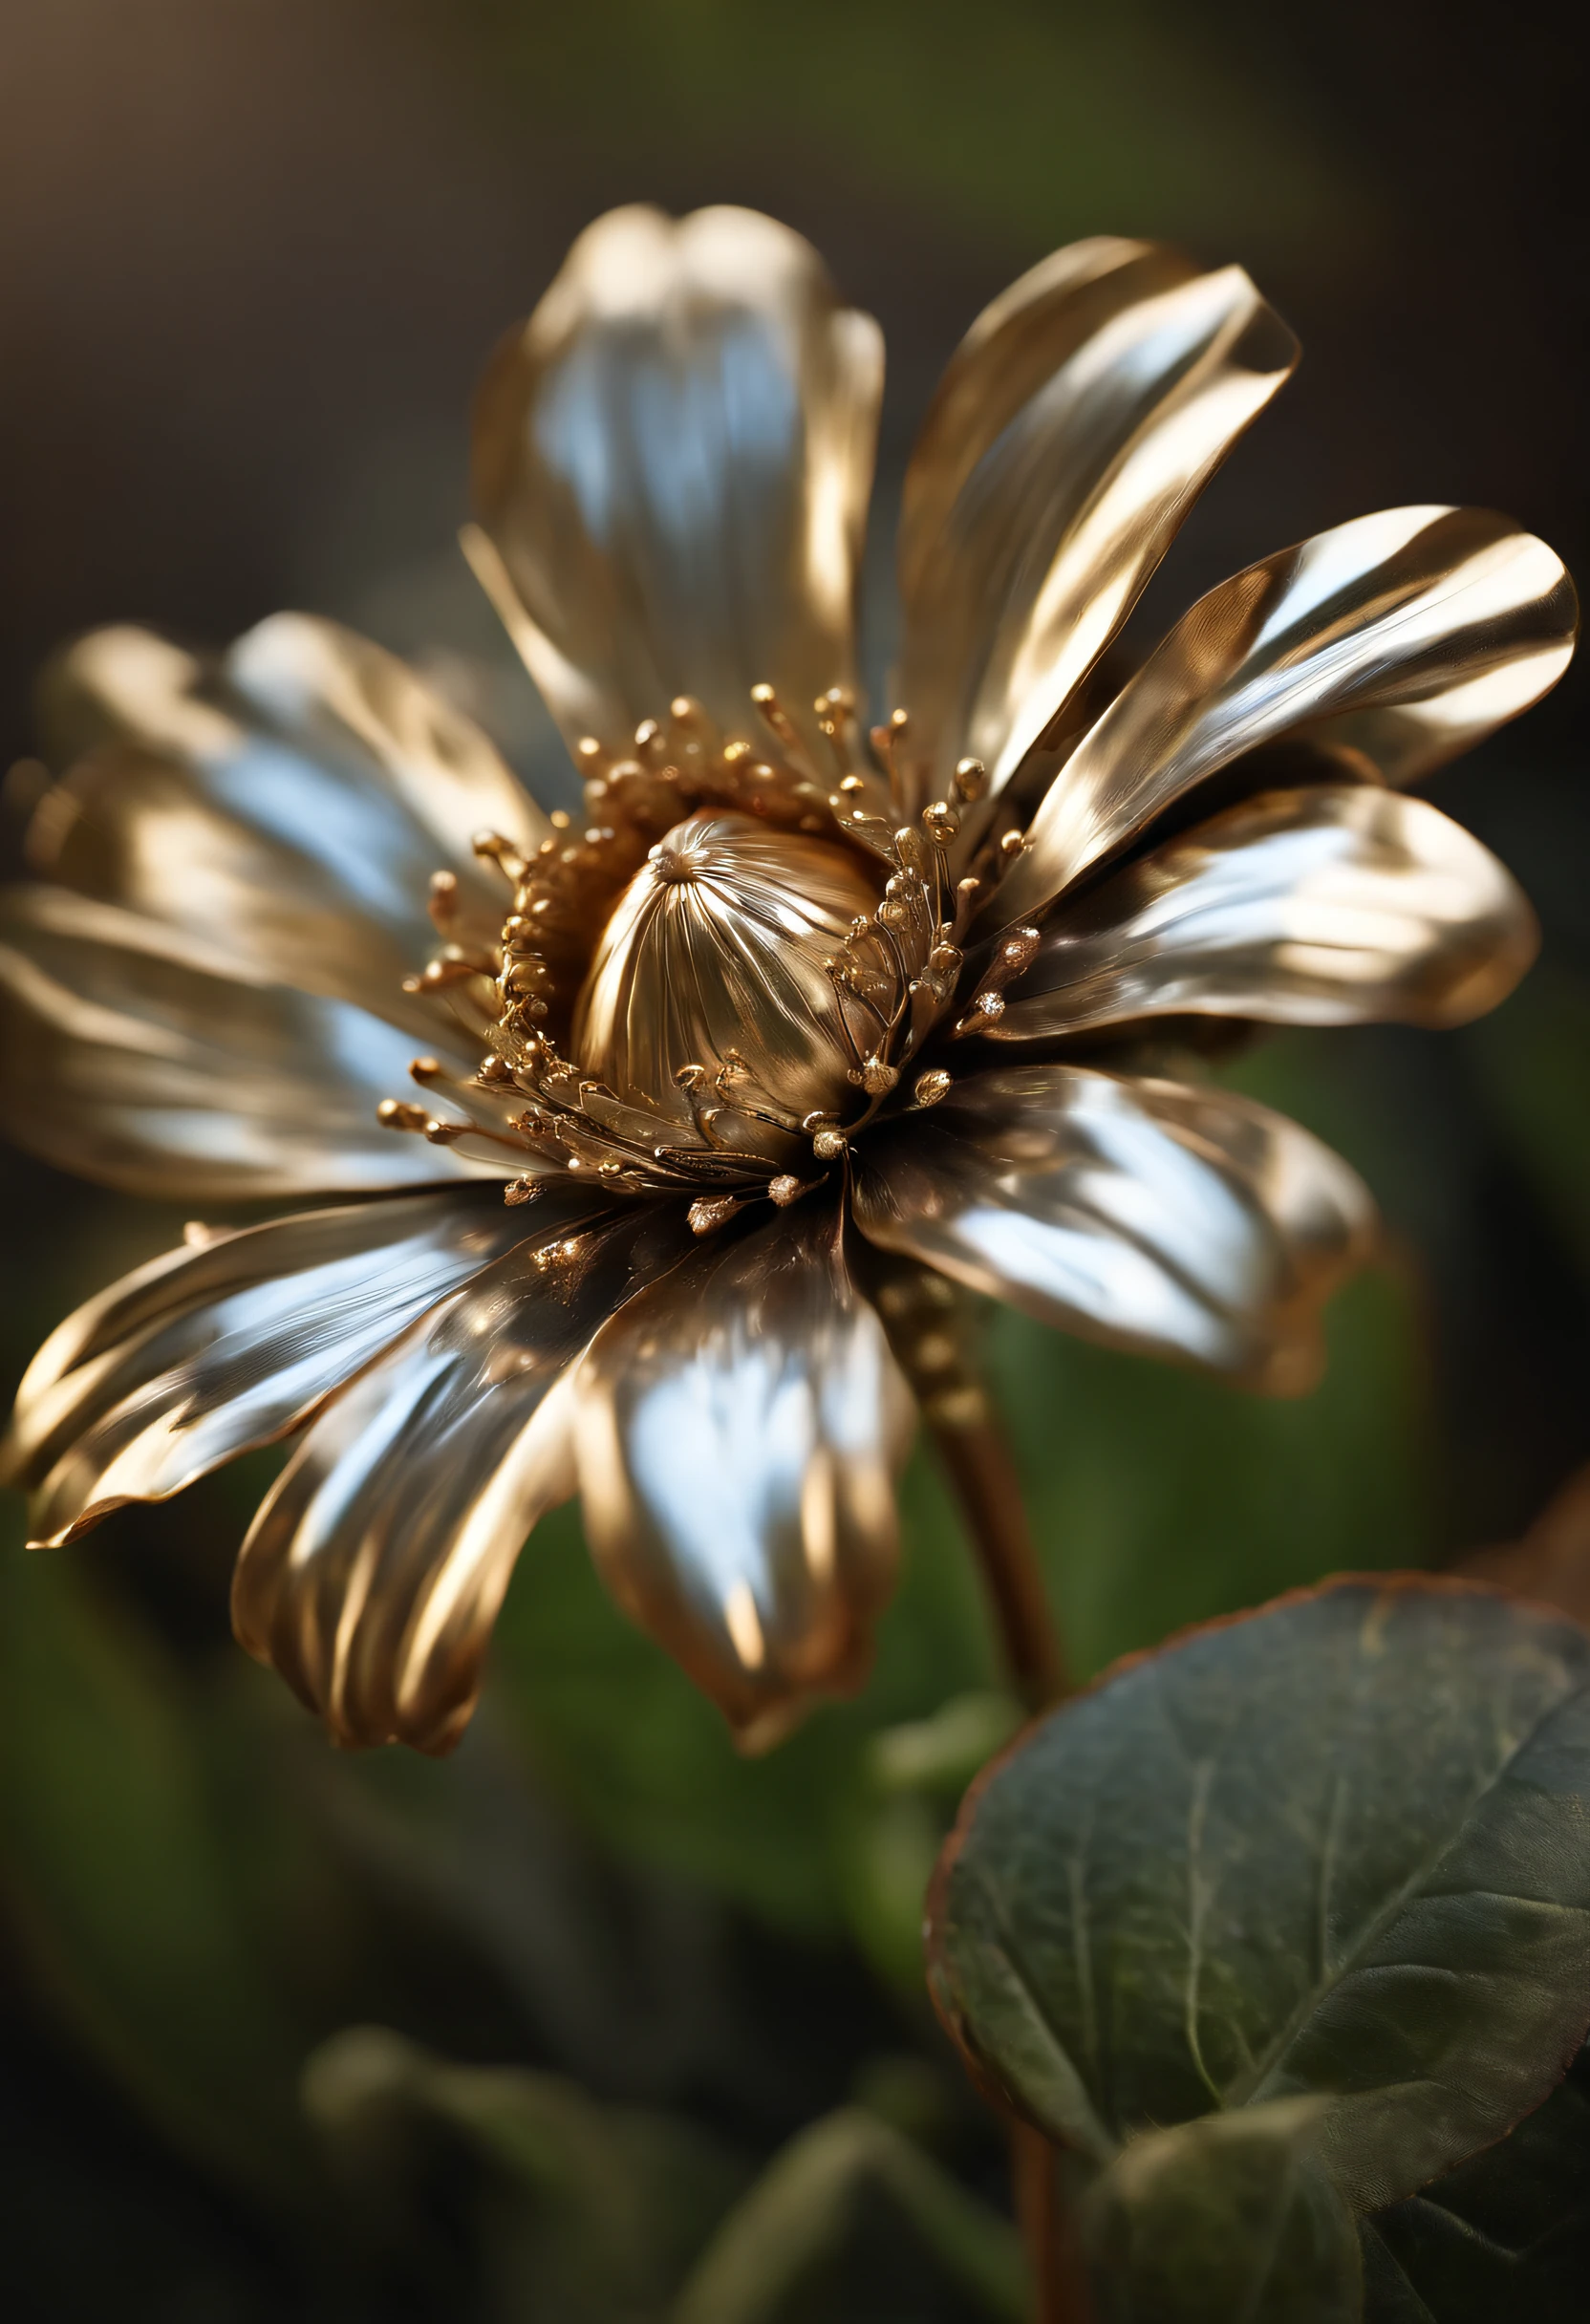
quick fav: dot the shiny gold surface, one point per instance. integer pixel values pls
(226, 1345)
(141, 1055)
(372, 1573)
(1414, 631)
(1336, 905)
(288, 804)
(1079, 420)
(673, 458)
(716, 949)
(740, 1430)
(1172, 1221)
(728, 1034)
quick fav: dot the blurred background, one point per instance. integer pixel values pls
(594, 2011)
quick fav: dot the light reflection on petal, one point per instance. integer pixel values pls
(373, 1573)
(739, 1429)
(1336, 905)
(1151, 1216)
(209, 1352)
(146, 1059)
(1343, 635)
(673, 458)
(1080, 417)
(288, 805)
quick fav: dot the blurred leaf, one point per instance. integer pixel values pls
(609, 2204)
(1227, 2216)
(1505, 2235)
(1533, 1057)
(631, 1745)
(121, 1868)
(1160, 1498)
(941, 1754)
(803, 2207)
(1336, 1847)
(1109, 122)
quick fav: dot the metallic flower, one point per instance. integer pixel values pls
(723, 1089)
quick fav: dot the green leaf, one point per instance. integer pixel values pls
(1229, 2216)
(599, 2209)
(1339, 1847)
(1533, 1056)
(1161, 1498)
(803, 2207)
(122, 1860)
(1505, 2235)
(648, 1762)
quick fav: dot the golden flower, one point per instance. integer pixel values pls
(790, 1027)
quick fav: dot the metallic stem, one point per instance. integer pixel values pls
(977, 1458)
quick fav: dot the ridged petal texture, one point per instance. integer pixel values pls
(672, 462)
(740, 1428)
(717, 947)
(206, 1000)
(1341, 904)
(1078, 421)
(1406, 635)
(372, 1573)
(289, 804)
(149, 1060)
(206, 1352)
(1172, 1221)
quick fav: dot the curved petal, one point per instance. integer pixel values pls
(373, 1573)
(211, 1351)
(134, 1055)
(1449, 621)
(740, 1427)
(673, 458)
(288, 805)
(1079, 420)
(1336, 905)
(1172, 1221)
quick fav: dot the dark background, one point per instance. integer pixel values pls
(252, 255)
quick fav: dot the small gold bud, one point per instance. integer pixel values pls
(828, 1145)
(929, 1088)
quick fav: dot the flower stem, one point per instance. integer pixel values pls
(977, 1459)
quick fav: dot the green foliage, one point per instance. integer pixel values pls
(801, 2209)
(1037, 123)
(1334, 1852)
(1226, 2216)
(1505, 2235)
(129, 1878)
(1533, 1056)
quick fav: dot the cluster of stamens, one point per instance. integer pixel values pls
(893, 977)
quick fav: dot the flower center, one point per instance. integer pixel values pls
(716, 970)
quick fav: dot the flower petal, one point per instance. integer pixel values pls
(372, 1575)
(150, 1061)
(211, 1351)
(673, 458)
(1440, 622)
(1336, 905)
(288, 805)
(740, 1427)
(1172, 1221)
(1079, 420)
